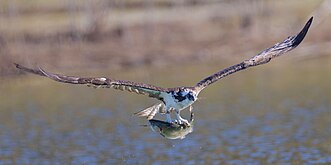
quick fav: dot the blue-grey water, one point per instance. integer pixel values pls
(274, 114)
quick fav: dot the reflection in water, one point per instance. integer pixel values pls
(258, 119)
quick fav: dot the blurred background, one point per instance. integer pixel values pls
(132, 33)
(273, 114)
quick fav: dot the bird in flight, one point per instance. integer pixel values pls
(178, 98)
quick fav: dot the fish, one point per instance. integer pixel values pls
(172, 130)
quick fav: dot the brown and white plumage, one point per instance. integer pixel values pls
(100, 82)
(261, 58)
(179, 98)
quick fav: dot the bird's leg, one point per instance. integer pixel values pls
(192, 114)
(180, 119)
(168, 117)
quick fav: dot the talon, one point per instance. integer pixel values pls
(186, 123)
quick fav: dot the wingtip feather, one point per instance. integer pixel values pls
(29, 70)
(18, 66)
(299, 38)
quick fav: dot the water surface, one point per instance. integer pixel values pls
(273, 114)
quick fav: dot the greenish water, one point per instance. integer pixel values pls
(274, 114)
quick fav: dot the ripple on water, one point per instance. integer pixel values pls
(96, 136)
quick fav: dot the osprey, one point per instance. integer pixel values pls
(178, 98)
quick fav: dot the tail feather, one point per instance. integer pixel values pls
(150, 112)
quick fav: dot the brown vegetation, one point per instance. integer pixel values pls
(129, 33)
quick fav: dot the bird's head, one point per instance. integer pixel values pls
(188, 93)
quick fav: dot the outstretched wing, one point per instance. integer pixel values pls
(261, 58)
(102, 82)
